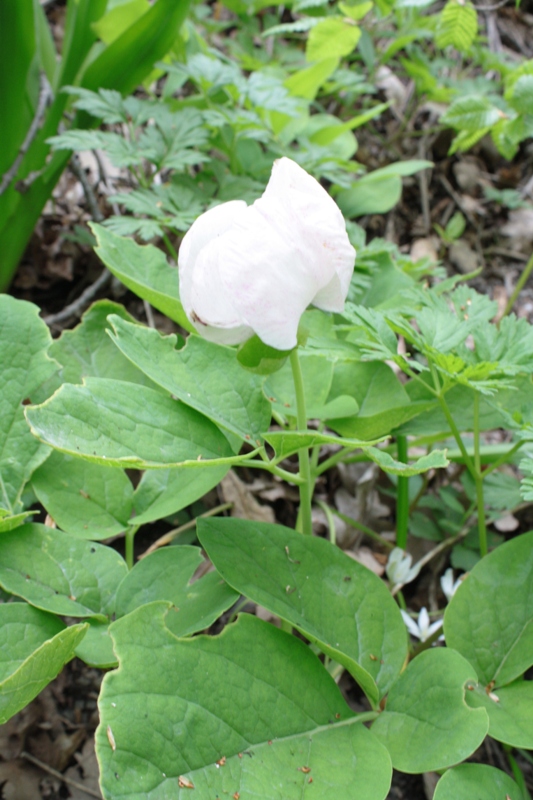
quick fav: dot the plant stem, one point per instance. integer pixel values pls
(402, 496)
(478, 478)
(128, 545)
(304, 515)
(519, 286)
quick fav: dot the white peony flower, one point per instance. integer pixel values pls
(255, 269)
(422, 629)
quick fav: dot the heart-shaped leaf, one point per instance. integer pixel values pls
(476, 780)
(334, 601)
(510, 710)
(490, 618)
(426, 724)
(249, 712)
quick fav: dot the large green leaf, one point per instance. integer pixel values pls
(143, 269)
(24, 366)
(326, 595)
(60, 573)
(166, 575)
(378, 191)
(285, 443)
(83, 498)
(426, 724)
(126, 62)
(162, 492)
(317, 375)
(332, 37)
(106, 422)
(510, 710)
(253, 699)
(34, 646)
(490, 618)
(476, 780)
(383, 401)
(88, 352)
(203, 375)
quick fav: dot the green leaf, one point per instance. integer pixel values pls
(162, 492)
(353, 617)
(96, 647)
(9, 522)
(306, 82)
(332, 37)
(166, 575)
(178, 715)
(59, 573)
(457, 26)
(286, 443)
(520, 97)
(435, 460)
(510, 711)
(126, 62)
(111, 25)
(104, 421)
(471, 113)
(203, 375)
(490, 618)
(24, 365)
(85, 499)
(379, 191)
(87, 351)
(317, 374)
(34, 646)
(467, 781)
(143, 269)
(258, 357)
(426, 724)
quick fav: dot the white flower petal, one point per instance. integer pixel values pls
(202, 293)
(412, 627)
(269, 283)
(256, 269)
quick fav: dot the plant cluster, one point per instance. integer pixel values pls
(114, 426)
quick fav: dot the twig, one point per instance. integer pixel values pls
(149, 314)
(60, 776)
(85, 297)
(424, 189)
(168, 537)
(45, 96)
(519, 286)
(88, 191)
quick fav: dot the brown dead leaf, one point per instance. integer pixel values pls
(85, 773)
(245, 506)
(20, 781)
(365, 556)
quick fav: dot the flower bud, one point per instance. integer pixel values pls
(248, 270)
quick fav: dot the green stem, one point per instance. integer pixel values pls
(330, 519)
(128, 545)
(402, 496)
(478, 479)
(519, 286)
(171, 249)
(304, 515)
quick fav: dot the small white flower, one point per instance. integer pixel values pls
(448, 586)
(255, 269)
(399, 570)
(422, 629)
